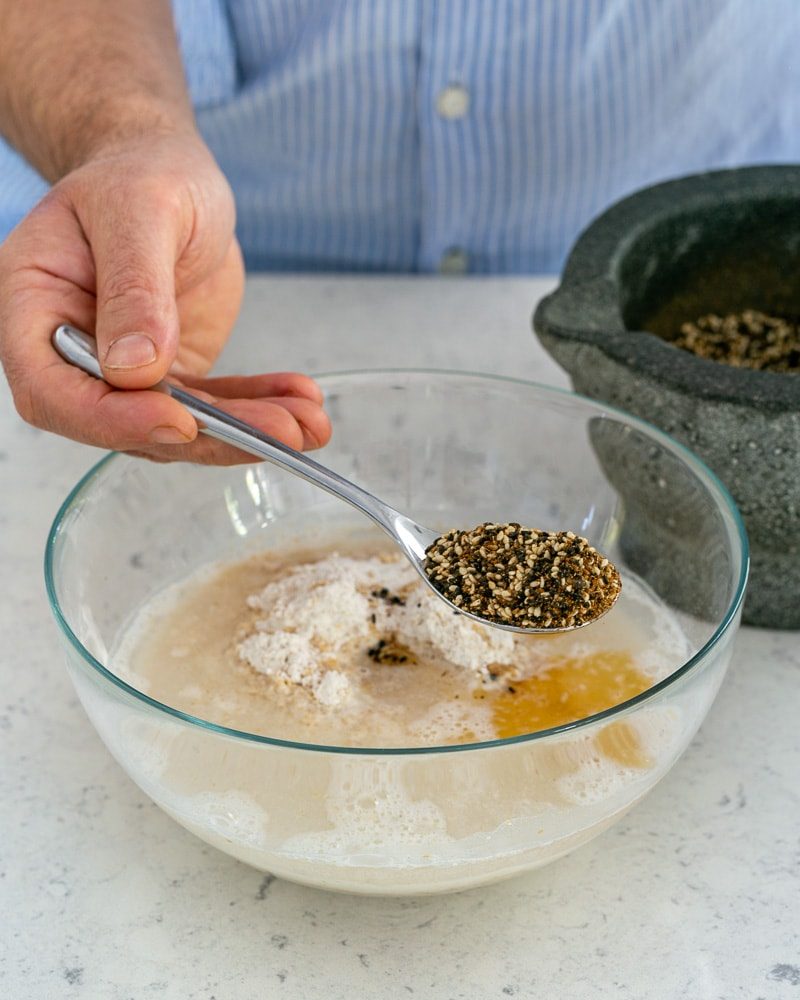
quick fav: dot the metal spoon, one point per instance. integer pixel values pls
(413, 539)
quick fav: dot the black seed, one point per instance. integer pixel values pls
(580, 589)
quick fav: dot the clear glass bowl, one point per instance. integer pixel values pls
(449, 449)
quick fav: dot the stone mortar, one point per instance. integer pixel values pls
(715, 242)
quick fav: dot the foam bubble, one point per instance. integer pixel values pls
(448, 721)
(233, 815)
(660, 731)
(597, 780)
(370, 812)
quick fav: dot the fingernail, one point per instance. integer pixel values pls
(167, 434)
(134, 350)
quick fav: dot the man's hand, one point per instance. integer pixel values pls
(137, 244)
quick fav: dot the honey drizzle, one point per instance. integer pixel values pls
(572, 689)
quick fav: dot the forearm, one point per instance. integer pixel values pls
(77, 76)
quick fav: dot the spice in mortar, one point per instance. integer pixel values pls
(523, 577)
(749, 339)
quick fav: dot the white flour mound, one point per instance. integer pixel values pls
(316, 613)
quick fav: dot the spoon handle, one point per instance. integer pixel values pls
(80, 349)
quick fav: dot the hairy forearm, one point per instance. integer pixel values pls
(78, 76)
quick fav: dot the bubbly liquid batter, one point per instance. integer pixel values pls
(385, 823)
(182, 650)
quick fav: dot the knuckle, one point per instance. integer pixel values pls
(129, 284)
(127, 280)
(160, 198)
(166, 199)
(22, 404)
(289, 430)
(27, 403)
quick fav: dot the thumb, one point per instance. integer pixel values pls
(137, 326)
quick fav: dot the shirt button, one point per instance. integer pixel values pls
(454, 261)
(453, 102)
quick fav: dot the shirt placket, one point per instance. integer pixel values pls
(444, 108)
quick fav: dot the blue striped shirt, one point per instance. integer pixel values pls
(479, 135)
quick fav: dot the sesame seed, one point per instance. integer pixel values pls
(750, 339)
(548, 579)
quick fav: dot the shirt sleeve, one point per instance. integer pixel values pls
(20, 188)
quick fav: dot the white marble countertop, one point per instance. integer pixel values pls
(695, 894)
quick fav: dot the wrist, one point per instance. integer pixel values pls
(110, 129)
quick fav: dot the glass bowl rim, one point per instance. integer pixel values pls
(711, 481)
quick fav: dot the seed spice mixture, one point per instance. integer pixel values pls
(749, 339)
(523, 577)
